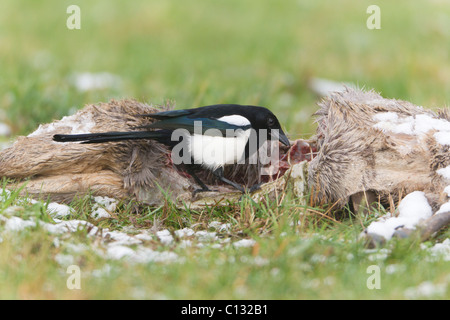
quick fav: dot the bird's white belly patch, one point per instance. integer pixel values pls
(236, 120)
(215, 151)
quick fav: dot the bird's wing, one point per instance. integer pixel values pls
(168, 114)
(196, 125)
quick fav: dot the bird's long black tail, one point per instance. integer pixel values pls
(160, 135)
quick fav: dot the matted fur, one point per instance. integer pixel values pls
(354, 156)
(115, 169)
(140, 169)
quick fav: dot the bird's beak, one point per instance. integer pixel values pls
(279, 134)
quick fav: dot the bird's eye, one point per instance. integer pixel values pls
(270, 122)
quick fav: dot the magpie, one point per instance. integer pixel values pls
(210, 137)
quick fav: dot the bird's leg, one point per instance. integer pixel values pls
(219, 174)
(204, 187)
(255, 187)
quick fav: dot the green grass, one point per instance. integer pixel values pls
(203, 52)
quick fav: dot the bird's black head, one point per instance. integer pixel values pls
(263, 119)
(260, 118)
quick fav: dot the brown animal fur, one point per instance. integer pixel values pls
(355, 157)
(128, 169)
(120, 169)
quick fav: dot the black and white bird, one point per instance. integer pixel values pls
(211, 136)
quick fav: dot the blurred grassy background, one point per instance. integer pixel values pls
(205, 52)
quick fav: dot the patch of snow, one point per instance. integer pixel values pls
(425, 123)
(442, 137)
(18, 224)
(121, 238)
(415, 206)
(146, 255)
(117, 252)
(444, 172)
(244, 243)
(64, 259)
(144, 236)
(165, 237)
(110, 204)
(59, 210)
(140, 255)
(441, 250)
(68, 226)
(103, 207)
(214, 224)
(412, 209)
(219, 226)
(444, 208)
(447, 190)
(386, 116)
(79, 123)
(412, 125)
(205, 236)
(185, 243)
(12, 210)
(100, 213)
(388, 122)
(185, 232)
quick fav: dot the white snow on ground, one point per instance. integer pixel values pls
(116, 245)
(110, 204)
(185, 232)
(134, 248)
(219, 226)
(100, 213)
(165, 236)
(412, 209)
(103, 207)
(440, 251)
(112, 244)
(244, 243)
(18, 224)
(141, 254)
(59, 210)
(206, 236)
